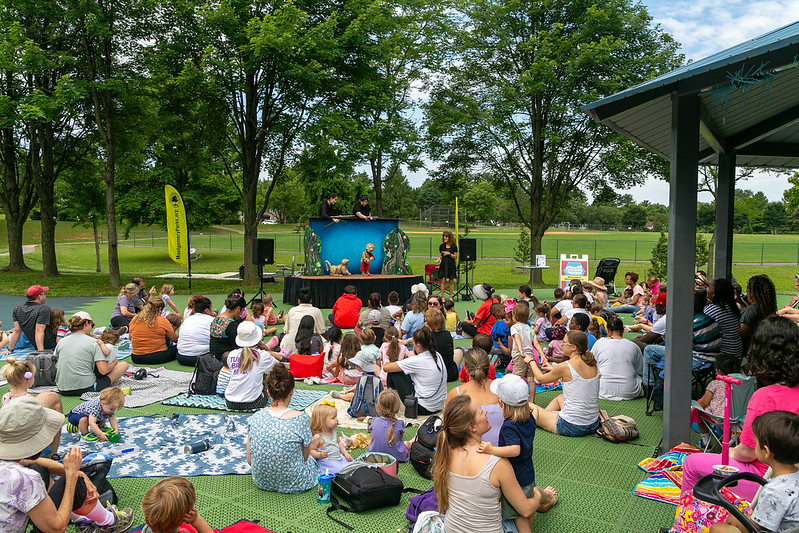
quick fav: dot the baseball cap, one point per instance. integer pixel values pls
(374, 316)
(660, 299)
(35, 290)
(511, 389)
(84, 315)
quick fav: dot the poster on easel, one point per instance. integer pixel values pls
(573, 266)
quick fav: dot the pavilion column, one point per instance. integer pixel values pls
(725, 202)
(681, 263)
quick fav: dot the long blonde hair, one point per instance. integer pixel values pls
(247, 360)
(391, 336)
(149, 313)
(457, 418)
(15, 371)
(321, 413)
(388, 405)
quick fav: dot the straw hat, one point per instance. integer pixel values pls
(420, 287)
(248, 334)
(598, 283)
(26, 428)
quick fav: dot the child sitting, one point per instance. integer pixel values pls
(175, 321)
(393, 307)
(451, 316)
(248, 367)
(499, 334)
(352, 362)
(332, 347)
(223, 379)
(167, 291)
(58, 324)
(625, 298)
(645, 315)
(109, 339)
(392, 350)
(92, 415)
(777, 445)
(386, 430)
(596, 309)
(374, 325)
(19, 375)
(369, 351)
(261, 314)
(272, 319)
(542, 321)
(168, 507)
(712, 402)
(484, 342)
(555, 349)
(308, 342)
(515, 440)
(330, 452)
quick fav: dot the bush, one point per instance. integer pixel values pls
(659, 259)
(522, 250)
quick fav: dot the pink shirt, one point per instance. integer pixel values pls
(771, 398)
(654, 289)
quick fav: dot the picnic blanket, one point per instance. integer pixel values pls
(301, 399)
(666, 480)
(124, 349)
(153, 446)
(347, 422)
(143, 392)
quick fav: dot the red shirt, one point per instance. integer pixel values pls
(347, 310)
(484, 317)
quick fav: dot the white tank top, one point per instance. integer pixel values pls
(580, 399)
(474, 503)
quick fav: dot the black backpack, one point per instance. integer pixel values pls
(45, 363)
(206, 372)
(362, 488)
(365, 396)
(423, 448)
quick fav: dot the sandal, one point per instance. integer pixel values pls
(554, 493)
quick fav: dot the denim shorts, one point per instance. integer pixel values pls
(567, 429)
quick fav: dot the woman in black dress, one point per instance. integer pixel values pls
(447, 254)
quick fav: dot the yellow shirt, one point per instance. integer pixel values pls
(452, 321)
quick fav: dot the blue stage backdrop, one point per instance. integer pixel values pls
(348, 239)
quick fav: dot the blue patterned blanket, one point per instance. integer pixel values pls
(301, 399)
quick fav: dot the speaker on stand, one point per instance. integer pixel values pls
(263, 253)
(467, 255)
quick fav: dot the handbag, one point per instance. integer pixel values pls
(306, 366)
(617, 428)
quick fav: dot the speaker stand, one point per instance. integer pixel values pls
(464, 292)
(260, 294)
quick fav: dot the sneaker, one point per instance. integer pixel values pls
(91, 527)
(106, 429)
(124, 520)
(71, 428)
(90, 437)
(120, 331)
(335, 394)
(280, 315)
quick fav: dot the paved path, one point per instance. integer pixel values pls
(26, 249)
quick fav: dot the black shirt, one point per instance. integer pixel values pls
(365, 210)
(30, 314)
(326, 211)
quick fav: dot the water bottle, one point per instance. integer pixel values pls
(411, 406)
(323, 492)
(197, 447)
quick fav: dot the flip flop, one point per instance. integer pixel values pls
(551, 490)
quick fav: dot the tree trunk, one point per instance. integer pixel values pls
(536, 236)
(249, 198)
(16, 261)
(711, 253)
(114, 279)
(17, 201)
(376, 164)
(98, 266)
(44, 177)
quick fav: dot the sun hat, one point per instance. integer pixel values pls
(248, 334)
(420, 287)
(481, 291)
(374, 316)
(84, 315)
(597, 283)
(26, 428)
(511, 389)
(660, 299)
(35, 290)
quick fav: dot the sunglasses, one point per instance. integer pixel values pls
(433, 304)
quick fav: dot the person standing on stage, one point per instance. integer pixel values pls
(447, 253)
(326, 207)
(361, 208)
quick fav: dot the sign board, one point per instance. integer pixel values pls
(540, 260)
(572, 267)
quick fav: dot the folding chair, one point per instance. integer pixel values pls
(606, 269)
(739, 400)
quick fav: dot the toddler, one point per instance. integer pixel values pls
(109, 339)
(19, 375)
(482, 341)
(393, 306)
(374, 324)
(167, 291)
(58, 324)
(499, 334)
(523, 338)
(515, 440)
(542, 321)
(625, 298)
(451, 316)
(326, 447)
(272, 319)
(777, 445)
(596, 309)
(4, 338)
(386, 430)
(392, 350)
(332, 346)
(555, 348)
(645, 315)
(89, 418)
(350, 364)
(369, 352)
(168, 507)
(712, 402)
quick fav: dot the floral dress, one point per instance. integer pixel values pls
(276, 451)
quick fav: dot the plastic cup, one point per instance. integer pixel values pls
(323, 492)
(725, 470)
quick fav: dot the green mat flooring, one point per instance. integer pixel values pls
(594, 478)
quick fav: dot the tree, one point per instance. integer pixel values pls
(522, 251)
(81, 198)
(398, 197)
(701, 253)
(634, 216)
(428, 194)
(774, 217)
(509, 103)
(479, 202)
(660, 257)
(791, 195)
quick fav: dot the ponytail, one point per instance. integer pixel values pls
(456, 419)
(392, 338)
(580, 342)
(424, 337)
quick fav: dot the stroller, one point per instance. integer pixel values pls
(606, 269)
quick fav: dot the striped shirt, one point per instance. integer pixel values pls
(707, 336)
(730, 329)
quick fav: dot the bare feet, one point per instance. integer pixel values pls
(549, 497)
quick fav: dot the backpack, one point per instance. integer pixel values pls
(607, 314)
(206, 372)
(423, 448)
(365, 396)
(44, 362)
(363, 488)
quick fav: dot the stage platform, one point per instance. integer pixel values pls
(325, 290)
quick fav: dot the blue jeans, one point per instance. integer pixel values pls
(654, 354)
(567, 429)
(627, 308)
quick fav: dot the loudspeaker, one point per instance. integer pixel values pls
(263, 251)
(468, 249)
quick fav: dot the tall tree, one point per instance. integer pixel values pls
(509, 104)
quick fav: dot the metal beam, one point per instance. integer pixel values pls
(725, 201)
(765, 149)
(710, 133)
(682, 251)
(764, 128)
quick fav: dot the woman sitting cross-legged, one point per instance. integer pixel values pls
(248, 369)
(149, 331)
(468, 483)
(423, 375)
(574, 413)
(280, 441)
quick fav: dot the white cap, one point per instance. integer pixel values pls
(84, 315)
(374, 316)
(511, 389)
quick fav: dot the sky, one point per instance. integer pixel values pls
(704, 27)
